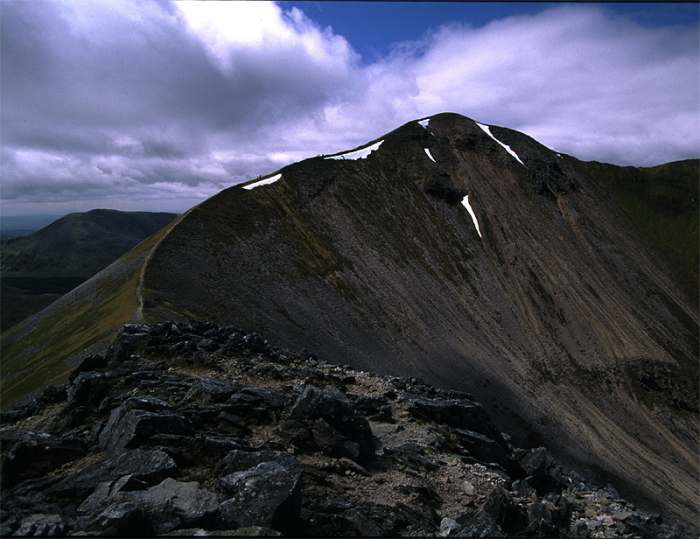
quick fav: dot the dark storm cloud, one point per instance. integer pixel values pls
(134, 99)
(131, 89)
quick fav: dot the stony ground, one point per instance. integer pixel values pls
(194, 429)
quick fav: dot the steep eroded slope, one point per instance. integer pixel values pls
(556, 311)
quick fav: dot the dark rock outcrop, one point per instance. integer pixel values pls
(40, 525)
(268, 495)
(33, 454)
(248, 440)
(138, 419)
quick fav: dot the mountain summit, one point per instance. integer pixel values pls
(562, 294)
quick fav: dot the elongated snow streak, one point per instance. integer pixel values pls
(507, 148)
(424, 123)
(465, 203)
(427, 152)
(266, 181)
(358, 154)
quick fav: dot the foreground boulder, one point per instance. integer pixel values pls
(142, 466)
(136, 420)
(161, 508)
(40, 525)
(326, 420)
(172, 504)
(268, 495)
(34, 454)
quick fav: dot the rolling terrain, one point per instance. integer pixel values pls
(561, 293)
(38, 268)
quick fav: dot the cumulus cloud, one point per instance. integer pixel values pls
(138, 103)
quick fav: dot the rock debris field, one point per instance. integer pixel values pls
(189, 428)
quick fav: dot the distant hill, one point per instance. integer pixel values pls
(13, 226)
(38, 268)
(11, 233)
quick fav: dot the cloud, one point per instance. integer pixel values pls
(124, 101)
(576, 78)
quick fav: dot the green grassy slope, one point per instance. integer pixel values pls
(39, 268)
(44, 348)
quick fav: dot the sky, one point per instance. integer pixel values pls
(153, 105)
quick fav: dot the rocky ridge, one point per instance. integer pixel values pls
(570, 311)
(189, 428)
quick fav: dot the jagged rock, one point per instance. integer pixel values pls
(314, 402)
(267, 495)
(482, 447)
(237, 460)
(460, 414)
(104, 492)
(8, 523)
(34, 454)
(256, 403)
(31, 404)
(93, 362)
(88, 389)
(147, 466)
(129, 342)
(338, 517)
(335, 409)
(41, 525)
(170, 504)
(124, 519)
(222, 444)
(21, 410)
(548, 516)
(497, 516)
(374, 408)
(331, 442)
(482, 524)
(135, 329)
(547, 178)
(207, 345)
(206, 390)
(183, 347)
(449, 527)
(544, 474)
(136, 420)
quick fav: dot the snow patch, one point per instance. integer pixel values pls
(424, 123)
(358, 154)
(559, 156)
(465, 203)
(427, 152)
(266, 181)
(485, 129)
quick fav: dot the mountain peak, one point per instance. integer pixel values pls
(465, 254)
